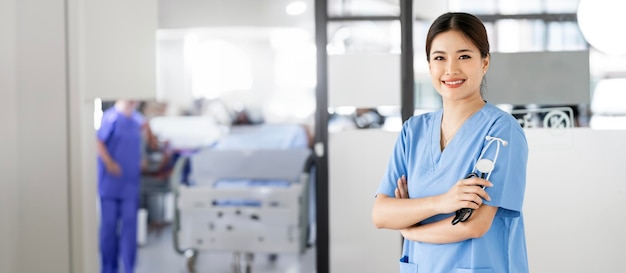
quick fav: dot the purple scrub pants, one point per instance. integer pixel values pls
(118, 233)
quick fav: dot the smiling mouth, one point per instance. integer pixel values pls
(454, 82)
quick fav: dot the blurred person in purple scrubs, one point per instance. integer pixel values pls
(119, 171)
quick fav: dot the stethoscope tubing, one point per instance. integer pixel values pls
(464, 214)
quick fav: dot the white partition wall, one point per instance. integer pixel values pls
(55, 57)
(34, 229)
(575, 200)
(118, 48)
(364, 80)
(8, 137)
(357, 160)
(555, 78)
(112, 55)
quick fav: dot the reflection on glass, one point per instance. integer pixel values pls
(474, 6)
(563, 36)
(520, 6)
(420, 29)
(561, 6)
(527, 25)
(426, 97)
(296, 8)
(514, 6)
(608, 107)
(491, 34)
(386, 118)
(364, 37)
(520, 36)
(363, 8)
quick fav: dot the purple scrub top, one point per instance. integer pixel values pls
(122, 136)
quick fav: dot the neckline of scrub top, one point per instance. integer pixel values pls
(122, 114)
(435, 140)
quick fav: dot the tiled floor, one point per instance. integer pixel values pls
(157, 255)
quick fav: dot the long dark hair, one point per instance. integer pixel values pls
(466, 23)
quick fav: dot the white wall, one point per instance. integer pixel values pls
(112, 55)
(357, 160)
(34, 144)
(42, 159)
(84, 196)
(47, 190)
(575, 200)
(118, 47)
(81, 136)
(8, 137)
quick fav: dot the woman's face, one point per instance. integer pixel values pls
(456, 67)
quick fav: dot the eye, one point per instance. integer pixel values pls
(438, 58)
(464, 57)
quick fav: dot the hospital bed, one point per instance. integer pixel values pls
(188, 134)
(250, 191)
(244, 202)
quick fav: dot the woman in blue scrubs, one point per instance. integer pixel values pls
(425, 182)
(119, 170)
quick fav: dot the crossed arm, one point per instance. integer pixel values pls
(404, 214)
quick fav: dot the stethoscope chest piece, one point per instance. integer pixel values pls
(484, 165)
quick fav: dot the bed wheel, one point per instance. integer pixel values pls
(190, 255)
(272, 258)
(236, 265)
(249, 260)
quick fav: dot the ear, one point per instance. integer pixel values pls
(486, 61)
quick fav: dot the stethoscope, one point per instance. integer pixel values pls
(482, 169)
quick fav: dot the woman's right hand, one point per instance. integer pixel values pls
(113, 168)
(466, 193)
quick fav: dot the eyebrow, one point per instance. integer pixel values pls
(458, 51)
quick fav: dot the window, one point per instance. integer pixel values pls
(216, 66)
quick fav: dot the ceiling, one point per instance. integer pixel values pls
(272, 13)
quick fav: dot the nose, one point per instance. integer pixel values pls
(452, 67)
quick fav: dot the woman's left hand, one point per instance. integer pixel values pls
(402, 190)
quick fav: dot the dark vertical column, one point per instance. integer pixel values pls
(406, 62)
(321, 137)
(407, 87)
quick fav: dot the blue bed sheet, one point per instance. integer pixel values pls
(245, 183)
(266, 136)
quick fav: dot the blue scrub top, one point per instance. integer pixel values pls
(430, 171)
(122, 136)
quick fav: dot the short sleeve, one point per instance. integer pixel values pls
(139, 118)
(106, 125)
(509, 173)
(396, 166)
